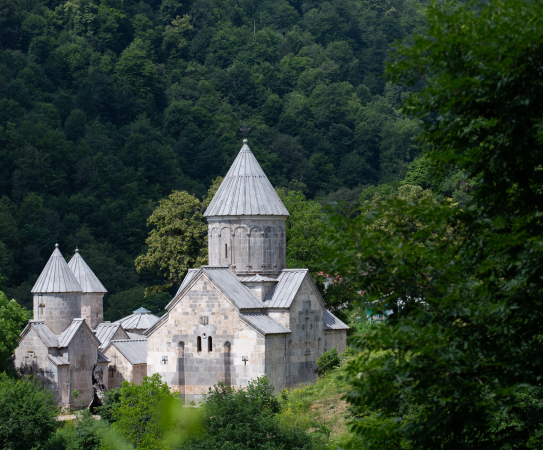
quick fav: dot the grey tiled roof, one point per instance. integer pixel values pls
(56, 277)
(102, 358)
(257, 278)
(84, 275)
(43, 331)
(331, 322)
(139, 321)
(58, 360)
(105, 332)
(231, 285)
(264, 323)
(246, 190)
(68, 334)
(284, 292)
(135, 351)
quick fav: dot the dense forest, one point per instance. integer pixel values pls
(106, 107)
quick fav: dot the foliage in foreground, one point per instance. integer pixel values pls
(463, 345)
(27, 413)
(246, 419)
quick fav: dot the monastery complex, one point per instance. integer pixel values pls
(243, 316)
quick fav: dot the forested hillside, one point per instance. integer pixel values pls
(105, 107)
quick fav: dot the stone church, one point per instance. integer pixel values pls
(245, 315)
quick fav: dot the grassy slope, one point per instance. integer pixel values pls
(319, 408)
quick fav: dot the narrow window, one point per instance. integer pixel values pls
(226, 251)
(199, 344)
(209, 344)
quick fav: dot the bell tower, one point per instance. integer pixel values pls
(246, 220)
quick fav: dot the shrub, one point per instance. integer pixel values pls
(328, 360)
(27, 413)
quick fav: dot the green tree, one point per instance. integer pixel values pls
(13, 318)
(463, 344)
(245, 418)
(27, 413)
(137, 416)
(178, 241)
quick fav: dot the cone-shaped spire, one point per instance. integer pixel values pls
(246, 191)
(84, 275)
(56, 277)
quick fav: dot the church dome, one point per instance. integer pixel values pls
(85, 276)
(246, 190)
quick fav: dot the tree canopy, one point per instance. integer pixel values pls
(461, 352)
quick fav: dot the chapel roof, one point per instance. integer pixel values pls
(56, 277)
(106, 331)
(66, 337)
(138, 320)
(331, 322)
(135, 351)
(42, 331)
(246, 190)
(85, 276)
(263, 323)
(289, 282)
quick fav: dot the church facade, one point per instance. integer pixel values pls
(245, 315)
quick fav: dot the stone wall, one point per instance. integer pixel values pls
(204, 312)
(306, 342)
(248, 244)
(92, 309)
(59, 310)
(335, 338)
(82, 353)
(120, 369)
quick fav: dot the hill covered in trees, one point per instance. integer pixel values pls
(106, 107)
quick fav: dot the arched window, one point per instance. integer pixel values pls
(209, 344)
(199, 344)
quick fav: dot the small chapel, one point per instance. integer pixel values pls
(243, 316)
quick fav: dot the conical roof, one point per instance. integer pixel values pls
(246, 191)
(56, 277)
(88, 281)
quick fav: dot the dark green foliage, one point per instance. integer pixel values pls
(27, 413)
(106, 106)
(328, 360)
(245, 419)
(458, 363)
(13, 319)
(112, 400)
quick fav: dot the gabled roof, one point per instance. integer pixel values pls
(263, 323)
(84, 275)
(58, 360)
(138, 320)
(331, 322)
(232, 287)
(106, 331)
(289, 282)
(42, 331)
(65, 338)
(223, 278)
(102, 358)
(246, 190)
(135, 351)
(56, 277)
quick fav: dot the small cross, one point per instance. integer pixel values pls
(164, 360)
(245, 129)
